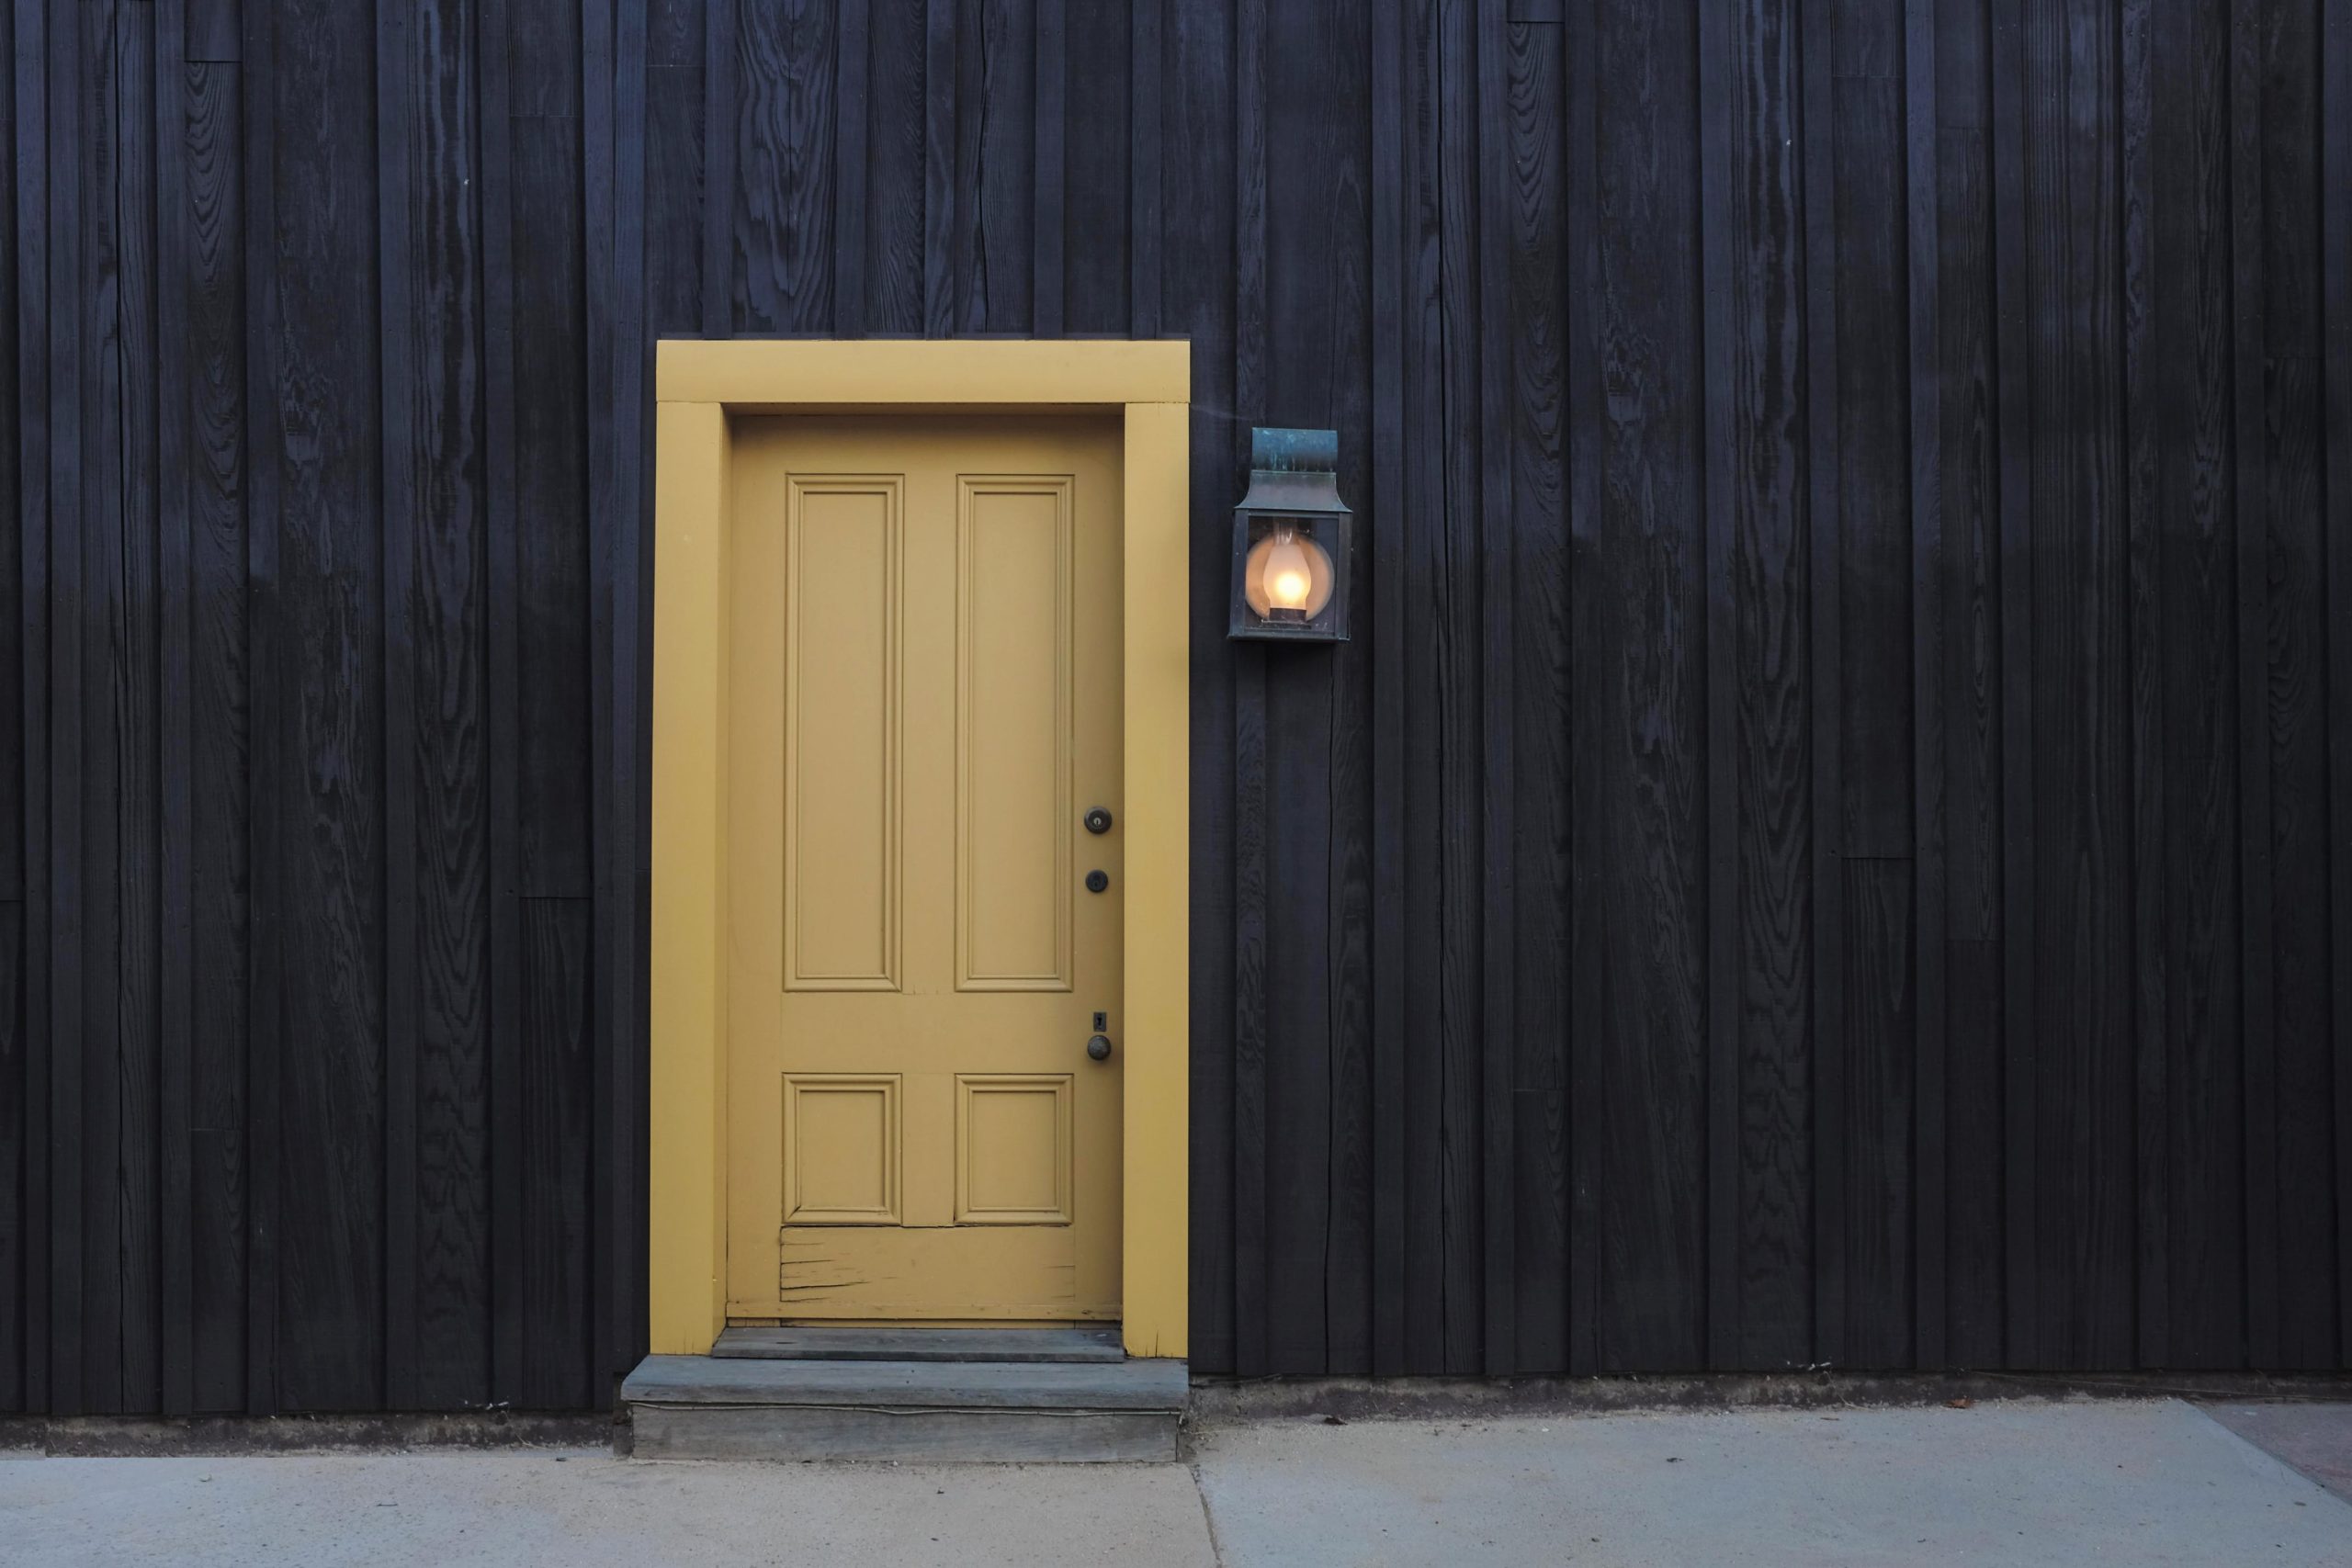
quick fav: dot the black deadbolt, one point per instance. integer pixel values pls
(1096, 881)
(1098, 820)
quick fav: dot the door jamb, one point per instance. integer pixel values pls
(697, 385)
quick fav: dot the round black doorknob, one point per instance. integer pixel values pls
(1098, 1046)
(1098, 820)
(1096, 881)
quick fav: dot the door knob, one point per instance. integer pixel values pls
(1098, 1046)
(1098, 820)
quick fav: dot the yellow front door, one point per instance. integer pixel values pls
(924, 701)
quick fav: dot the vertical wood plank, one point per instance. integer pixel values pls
(502, 652)
(1095, 144)
(2082, 965)
(219, 762)
(107, 689)
(33, 327)
(138, 660)
(1717, 135)
(67, 279)
(1825, 548)
(17, 1156)
(2023, 1346)
(1587, 719)
(1971, 761)
(940, 95)
(996, 166)
(2193, 1306)
(898, 166)
(782, 240)
(1648, 671)
(1050, 120)
(1875, 680)
(324, 329)
(2150, 782)
(1386, 604)
(1460, 804)
(606, 537)
(1929, 635)
(1422, 884)
(265, 957)
(1760, 784)
(175, 702)
(448, 797)
(675, 71)
(719, 183)
(395, 301)
(1535, 355)
(2335, 318)
(1144, 172)
(1485, 117)
(2257, 830)
(853, 67)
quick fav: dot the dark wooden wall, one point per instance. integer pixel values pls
(1832, 842)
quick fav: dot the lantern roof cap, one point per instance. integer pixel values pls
(1294, 471)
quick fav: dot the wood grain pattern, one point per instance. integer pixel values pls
(1536, 240)
(2336, 401)
(1384, 533)
(781, 238)
(395, 289)
(324, 330)
(35, 330)
(1758, 751)
(450, 795)
(175, 674)
(265, 960)
(1963, 760)
(1827, 841)
(1646, 675)
(13, 1034)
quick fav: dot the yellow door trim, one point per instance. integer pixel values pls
(698, 384)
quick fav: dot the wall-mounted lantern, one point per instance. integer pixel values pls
(1290, 540)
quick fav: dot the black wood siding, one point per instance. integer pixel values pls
(1832, 842)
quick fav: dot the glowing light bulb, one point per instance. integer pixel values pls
(1287, 577)
(1290, 577)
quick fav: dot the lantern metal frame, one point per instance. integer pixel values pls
(1294, 481)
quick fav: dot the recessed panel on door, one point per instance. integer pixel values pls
(842, 784)
(1012, 733)
(1013, 1149)
(842, 1151)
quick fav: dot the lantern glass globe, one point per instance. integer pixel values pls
(1288, 576)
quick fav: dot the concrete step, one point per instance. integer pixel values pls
(855, 1344)
(1004, 1411)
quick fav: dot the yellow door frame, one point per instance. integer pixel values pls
(697, 385)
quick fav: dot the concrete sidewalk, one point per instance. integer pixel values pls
(2022, 1483)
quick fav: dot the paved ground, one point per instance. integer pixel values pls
(2314, 1439)
(2142, 1482)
